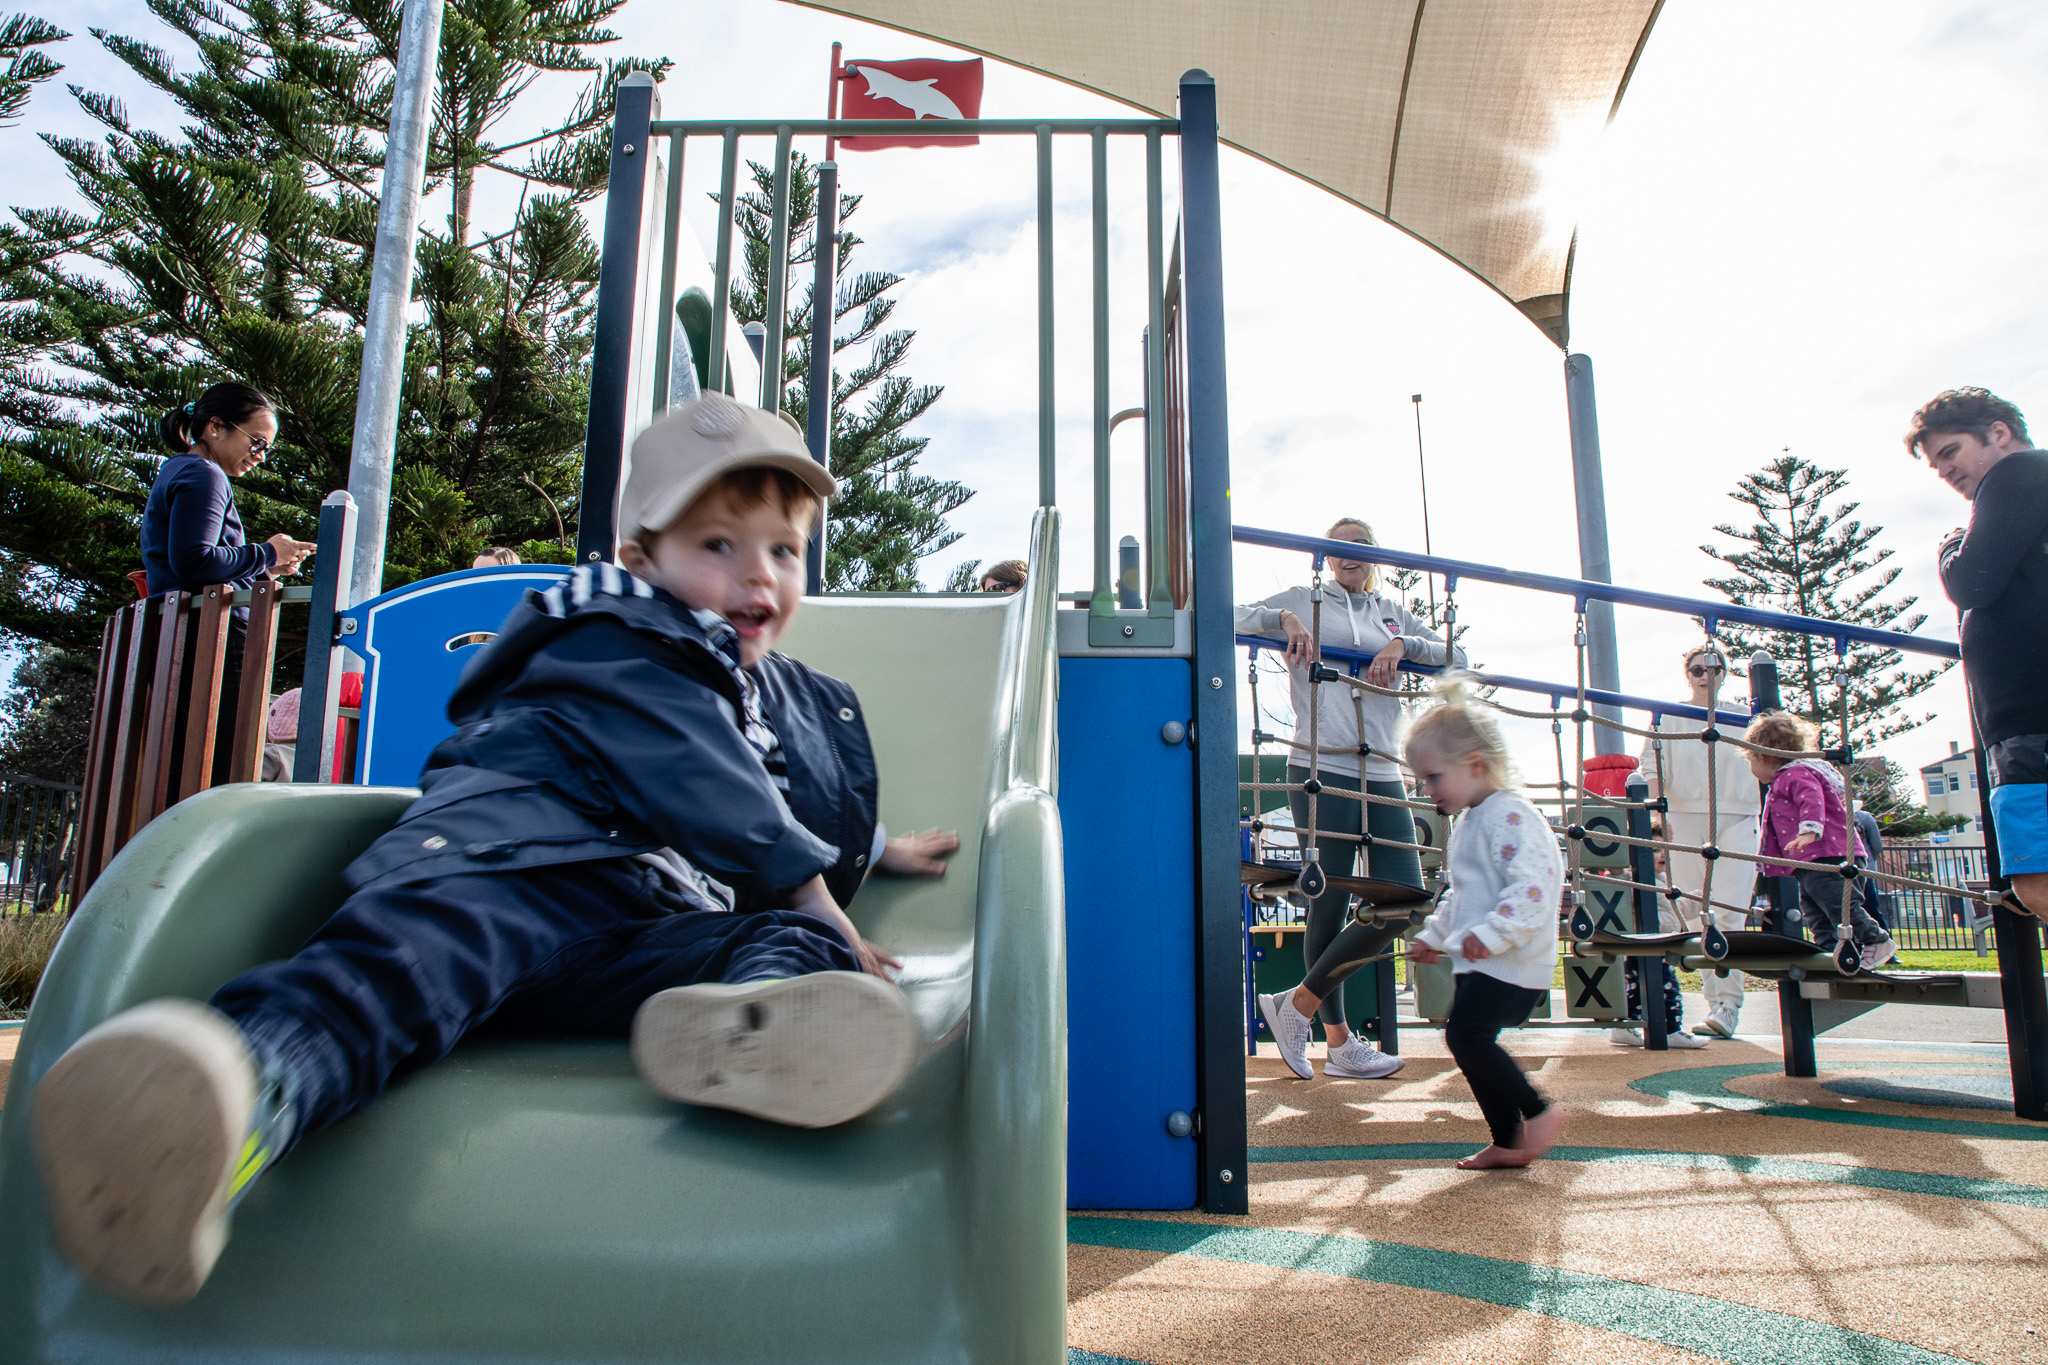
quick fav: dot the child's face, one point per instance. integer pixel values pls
(1455, 784)
(745, 563)
(1764, 768)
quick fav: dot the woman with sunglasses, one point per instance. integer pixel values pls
(192, 536)
(1737, 803)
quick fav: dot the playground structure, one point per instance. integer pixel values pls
(1154, 964)
(1610, 850)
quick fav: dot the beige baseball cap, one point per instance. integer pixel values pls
(690, 448)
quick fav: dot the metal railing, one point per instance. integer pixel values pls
(38, 828)
(1923, 919)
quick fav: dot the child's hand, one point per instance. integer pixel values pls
(1803, 841)
(1418, 951)
(1473, 950)
(876, 961)
(918, 855)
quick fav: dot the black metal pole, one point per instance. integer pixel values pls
(320, 688)
(1219, 1055)
(618, 290)
(818, 397)
(2020, 986)
(1795, 1011)
(1658, 1025)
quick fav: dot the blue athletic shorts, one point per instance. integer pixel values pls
(2019, 803)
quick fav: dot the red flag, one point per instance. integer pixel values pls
(921, 90)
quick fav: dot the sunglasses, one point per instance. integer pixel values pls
(1701, 670)
(257, 444)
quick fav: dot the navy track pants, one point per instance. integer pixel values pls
(399, 975)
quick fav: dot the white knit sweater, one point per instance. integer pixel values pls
(1506, 876)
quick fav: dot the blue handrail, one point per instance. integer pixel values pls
(1557, 692)
(1584, 590)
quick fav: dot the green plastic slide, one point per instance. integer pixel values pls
(531, 1200)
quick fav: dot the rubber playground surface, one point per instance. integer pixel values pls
(1703, 1207)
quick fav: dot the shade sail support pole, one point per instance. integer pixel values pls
(374, 450)
(1603, 656)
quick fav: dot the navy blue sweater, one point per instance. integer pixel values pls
(1998, 575)
(192, 535)
(601, 723)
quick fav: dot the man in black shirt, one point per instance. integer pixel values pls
(1996, 571)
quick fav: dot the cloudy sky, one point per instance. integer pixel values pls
(1807, 218)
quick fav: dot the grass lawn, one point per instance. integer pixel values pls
(1957, 960)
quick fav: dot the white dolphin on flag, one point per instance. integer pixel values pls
(919, 97)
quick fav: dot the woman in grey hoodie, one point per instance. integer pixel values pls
(1364, 730)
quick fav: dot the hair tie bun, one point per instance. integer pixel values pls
(191, 409)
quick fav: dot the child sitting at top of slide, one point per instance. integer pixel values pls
(1497, 922)
(1806, 816)
(646, 823)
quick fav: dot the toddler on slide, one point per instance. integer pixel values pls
(646, 824)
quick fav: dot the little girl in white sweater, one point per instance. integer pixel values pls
(1497, 922)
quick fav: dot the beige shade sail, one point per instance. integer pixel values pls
(1466, 123)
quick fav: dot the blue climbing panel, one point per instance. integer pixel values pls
(415, 641)
(1127, 806)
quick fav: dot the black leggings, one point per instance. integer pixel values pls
(1334, 948)
(1480, 1008)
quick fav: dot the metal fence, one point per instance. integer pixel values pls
(1930, 919)
(38, 830)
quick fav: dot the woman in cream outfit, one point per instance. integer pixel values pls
(1739, 803)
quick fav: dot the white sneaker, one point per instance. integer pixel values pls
(1290, 1029)
(809, 1051)
(1719, 1023)
(1624, 1037)
(140, 1129)
(1359, 1060)
(1681, 1041)
(1875, 955)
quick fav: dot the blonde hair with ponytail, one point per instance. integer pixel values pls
(1459, 725)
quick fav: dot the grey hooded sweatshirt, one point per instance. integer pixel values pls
(1365, 622)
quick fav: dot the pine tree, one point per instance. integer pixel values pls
(1805, 556)
(240, 247)
(887, 516)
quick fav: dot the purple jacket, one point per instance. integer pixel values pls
(1806, 798)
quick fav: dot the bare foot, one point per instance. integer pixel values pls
(1492, 1157)
(1541, 1133)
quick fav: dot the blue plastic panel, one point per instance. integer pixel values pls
(416, 640)
(1127, 804)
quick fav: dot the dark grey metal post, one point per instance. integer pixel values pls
(717, 369)
(313, 761)
(618, 290)
(2020, 986)
(1642, 868)
(778, 277)
(818, 390)
(1219, 1054)
(1603, 660)
(1103, 600)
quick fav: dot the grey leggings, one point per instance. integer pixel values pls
(1335, 949)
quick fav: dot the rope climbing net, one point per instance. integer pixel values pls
(1572, 796)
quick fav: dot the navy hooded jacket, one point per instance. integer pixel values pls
(602, 722)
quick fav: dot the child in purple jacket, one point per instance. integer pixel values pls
(1806, 816)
